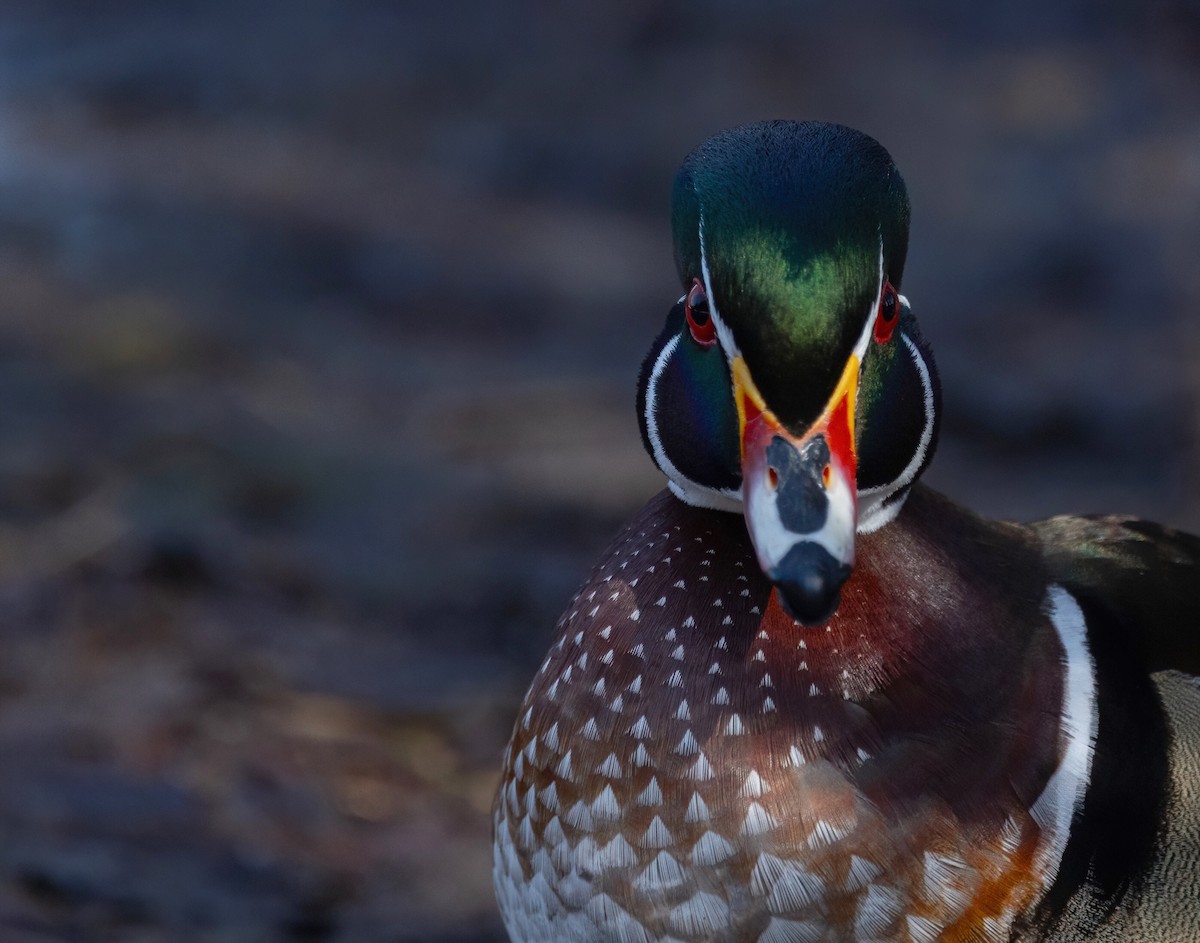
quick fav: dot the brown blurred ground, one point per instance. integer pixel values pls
(319, 325)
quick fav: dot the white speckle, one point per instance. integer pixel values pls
(634, 581)
(635, 686)
(711, 849)
(795, 890)
(689, 623)
(618, 853)
(679, 584)
(582, 661)
(825, 833)
(616, 594)
(652, 794)
(754, 610)
(641, 757)
(640, 728)
(803, 666)
(759, 656)
(662, 874)
(553, 833)
(670, 636)
(638, 650)
(766, 681)
(606, 631)
(862, 754)
(710, 551)
(922, 930)
(603, 911)
(721, 697)
(802, 644)
(697, 810)
(656, 835)
(549, 797)
(758, 820)
(608, 657)
(611, 767)
(687, 745)
(563, 770)
(590, 730)
(796, 756)
(580, 816)
(753, 787)
(677, 654)
(768, 706)
(684, 712)
(704, 579)
(635, 615)
(605, 806)
(661, 601)
(592, 613)
(525, 835)
(744, 592)
(717, 602)
(550, 738)
(714, 668)
(734, 726)
(1010, 835)
(706, 562)
(762, 634)
(565, 677)
(818, 735)
(519, 766)
(598, 688)
(782, 930)
(813, 690)
(527, 718)
(703, 915)
(591, 595)
(700, 771)
(862, 872)
(530, 750)
(676, 679)
(723, 643)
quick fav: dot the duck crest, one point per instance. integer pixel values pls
(691, 759)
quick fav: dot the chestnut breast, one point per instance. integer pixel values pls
(691, 764)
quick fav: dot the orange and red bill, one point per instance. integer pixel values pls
(799, 495)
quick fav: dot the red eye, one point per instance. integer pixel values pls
(889, 314)
(699, 320)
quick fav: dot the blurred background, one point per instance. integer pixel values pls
(319, 328)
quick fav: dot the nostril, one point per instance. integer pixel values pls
(826, 476)
(772, 478)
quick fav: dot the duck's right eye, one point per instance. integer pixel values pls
(699, 318)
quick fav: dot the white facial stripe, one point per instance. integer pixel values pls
(683, 487)
(873, 515)
(724, 334)
(860, 348)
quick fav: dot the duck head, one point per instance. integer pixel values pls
(790, 383)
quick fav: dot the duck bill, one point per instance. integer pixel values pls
(799, 496)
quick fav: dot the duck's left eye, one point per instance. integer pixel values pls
(699, 319)
(889, 314)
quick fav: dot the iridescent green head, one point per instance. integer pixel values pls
(791, 383)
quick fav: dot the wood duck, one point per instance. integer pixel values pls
(803, 698)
